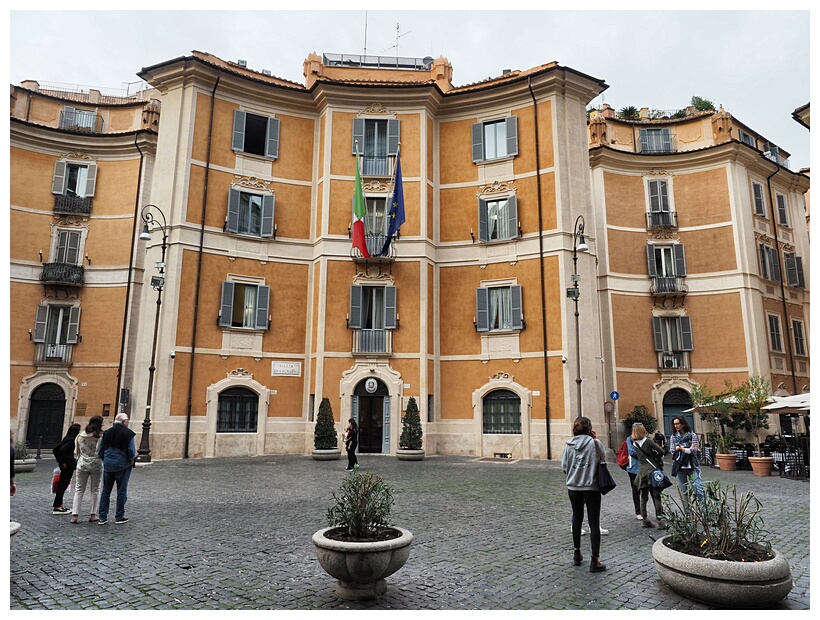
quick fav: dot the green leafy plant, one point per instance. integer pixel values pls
(629, 113)
(411, 427)
(750, 397)
(324, 435)
(725, 526)
(702, 104)
(20, 450)
(640, 414)
(715, 409)
(362, 506)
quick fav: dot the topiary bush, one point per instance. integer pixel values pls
(324, 435)
(640, 414)
(411, 427)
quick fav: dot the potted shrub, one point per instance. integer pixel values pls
(360, 547)
(715, 409)
(22, 459)
(410, 441)
(750, 398)
(716, 551)
(325, 441)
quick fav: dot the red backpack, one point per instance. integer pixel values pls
(622, 458)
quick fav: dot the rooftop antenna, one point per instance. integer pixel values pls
(364, 49)
(398, 36)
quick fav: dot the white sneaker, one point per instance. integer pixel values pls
(604, 532)
(639, 517)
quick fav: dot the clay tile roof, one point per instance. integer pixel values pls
(508, 77)
(240, 70)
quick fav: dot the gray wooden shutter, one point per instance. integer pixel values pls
(58, 181)
(393, 135)
(226, 308)
(91, 181)
(644, 144)
(658, 201)
(390, 307)
(358, 135)
(516, 307)
(801, 280)
(238, 131)
(657, 329)
(478, 142)
(386, 426)
(650, 260)
(354, 409)
(512, 216)
(234, 196)
(776, 263)
(791, 269)
(680, 260)
(760, 204)
(71, 247)
(267, 215)
(355, 307)
(262, 306)
(512, 135)
(686, 333)
(483, 220)
(764, 271)
(40, 322)
(73, 325)
(69, 117)
(482, 309)
(666, 140)
(272, 138)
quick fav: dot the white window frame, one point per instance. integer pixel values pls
(746, 138)
(775, 333)
(377, 147)
(59, 255)
(799, 337)
(254, 317)
(239, 136)
(502, 133)
(499, 307)
(489, 220)
(236, 206)
(769, 263)
(380, 311)
(656, 139)
(84, 183)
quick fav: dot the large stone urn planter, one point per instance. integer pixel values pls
(761, 465)
(333, 454)
(737, 585)
(727, 462)
(24, 465)
(361, 567)
(404, 454)
(15, 528)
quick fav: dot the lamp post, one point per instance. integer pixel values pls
(157, 282)
(578, 245)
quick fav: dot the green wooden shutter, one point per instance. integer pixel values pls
(512, 135)
(272, 138)
(59, 179)
(234, 196)
(226, 308)
(73, 325)
(512, 216)
(657, 329)
(91, 180)
(478, 142)
(358, 135)
(40, 322)
(483, 220)
(262, 307)
(393, 136)
(680, 260)
(650, 260)
(355, 307)
(482, 309)
(516, 307)
(686, 333)
(267, 215)
(390, 307)
(238, 131)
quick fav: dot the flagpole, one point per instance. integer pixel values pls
(392, 186)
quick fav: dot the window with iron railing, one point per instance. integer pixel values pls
(376, 141)
(501, 413)
(238, 411)
(657, 140)
(80, 120)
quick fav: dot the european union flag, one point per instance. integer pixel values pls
(396, 213)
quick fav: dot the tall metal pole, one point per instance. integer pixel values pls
(577, 235)
(157, 282)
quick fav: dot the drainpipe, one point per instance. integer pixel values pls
(130, 271)
(199, 267)
(788, 330)
(541, 263)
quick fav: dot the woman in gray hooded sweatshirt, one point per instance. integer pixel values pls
(580, 464)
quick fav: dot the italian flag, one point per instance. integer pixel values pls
(358, 214)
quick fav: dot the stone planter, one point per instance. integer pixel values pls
(361, 567)
(333, 454)
(15, 528)
(24, 465)
(727, 462)
(761, 465)
(736, 585)
(404, 454)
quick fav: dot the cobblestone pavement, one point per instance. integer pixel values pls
(235, 533)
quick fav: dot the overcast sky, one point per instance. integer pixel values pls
(754, 63)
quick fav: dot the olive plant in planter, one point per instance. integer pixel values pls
(22, 459)
(325, 441)
(410, 441)
(750, 398)
(360, 548)
(716, 551)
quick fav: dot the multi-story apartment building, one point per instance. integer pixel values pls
(80, 170)
(703, 258)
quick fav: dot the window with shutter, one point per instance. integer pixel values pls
(377, 142)
(657, 140)
(759, 199)
(799, 338)
(495, 139)
(71, 179)
(244, 305)
(68, 247)
(782, 210)
(372, 307)
(499, 308)
(497, 219)
(250, 214)
(775, 337)
(255, 134)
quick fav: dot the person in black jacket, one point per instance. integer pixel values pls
(64, 453)
(351, 443)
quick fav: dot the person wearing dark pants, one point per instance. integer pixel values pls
(64, 454)
(351, 443)
(632, 469)
(118, 453)
(580, 464)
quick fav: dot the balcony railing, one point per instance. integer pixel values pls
(63, 274)
(378, 166)
(668, 285)
(73, 205)
(673, 360)
(372, 342)
(661, 219)
(374, 244)
(54, 353)
(81, 120)
(658, 143)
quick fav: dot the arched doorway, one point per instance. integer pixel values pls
(46, 416)
(675, 402)
(371, 410)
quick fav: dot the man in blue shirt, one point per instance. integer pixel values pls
(118, 453)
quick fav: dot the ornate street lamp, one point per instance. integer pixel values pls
(578, 245)
(157, 283)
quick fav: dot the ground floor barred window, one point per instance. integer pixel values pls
(238, 411)
(502, 413)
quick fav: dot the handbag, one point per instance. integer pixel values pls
(658, 478)
(605, 480)
(681, 461)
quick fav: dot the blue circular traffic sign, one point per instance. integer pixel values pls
(614, 395)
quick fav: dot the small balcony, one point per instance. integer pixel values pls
(378, 165)
(62, 274)
(371, 342)
(375, 244)
(57, 354)
(668, 285)
(661, 220)
(658, 143)
(72, 205)
(673, 360)
(81, 120)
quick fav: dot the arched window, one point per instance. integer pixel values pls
(238, 411)
(502, 413)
